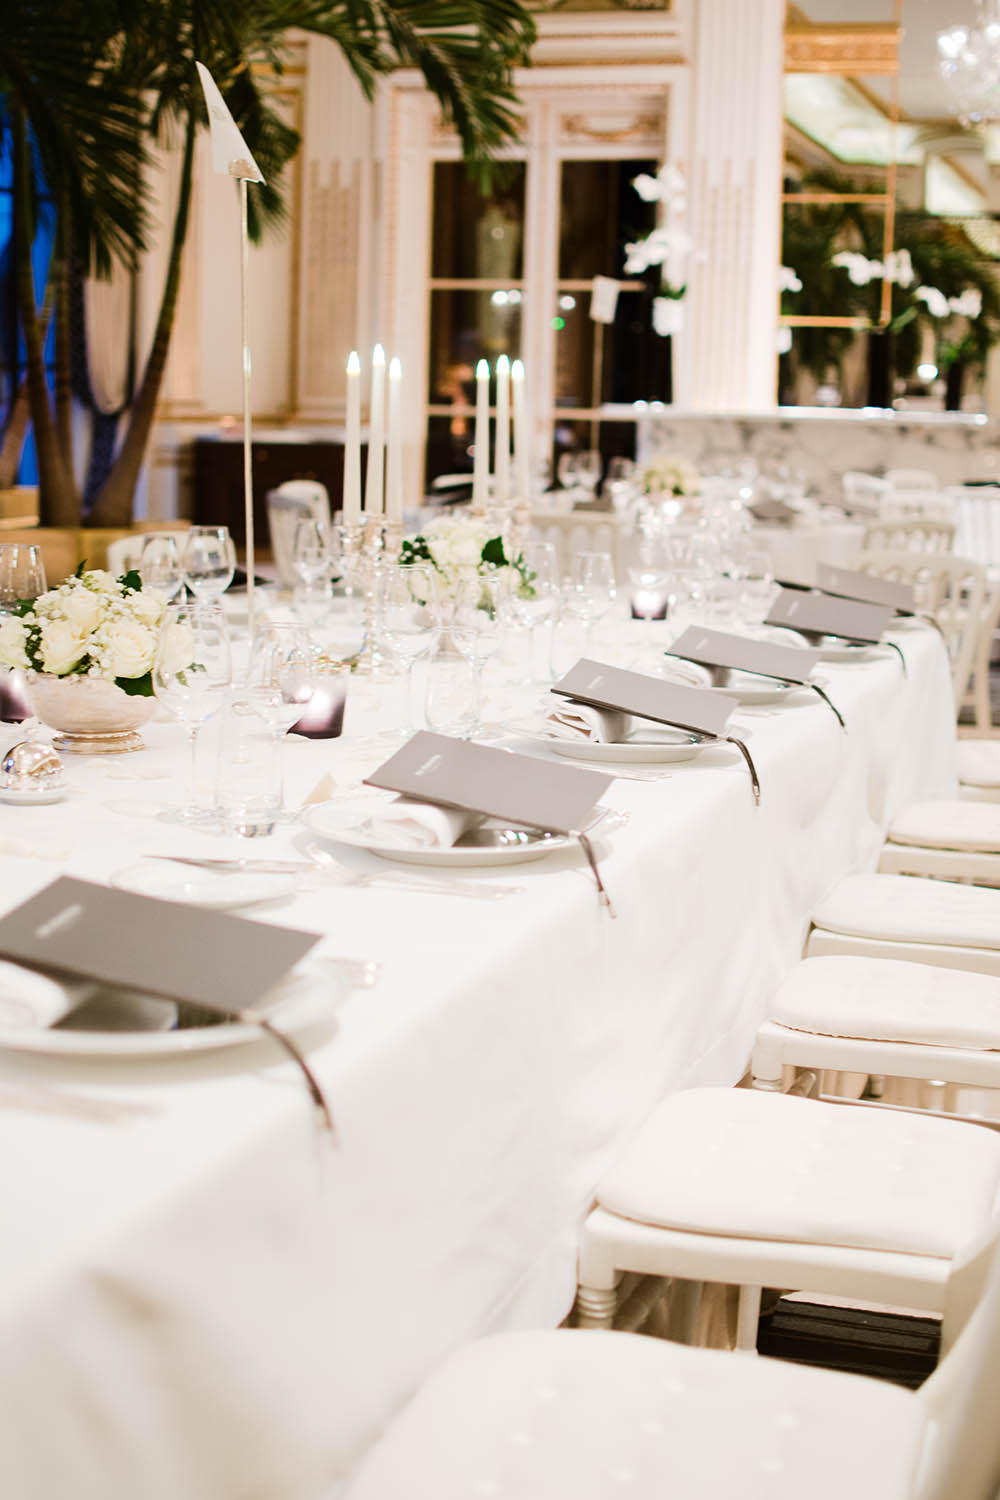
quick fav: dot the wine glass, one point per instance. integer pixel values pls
(587, 470)
(591, 591)
(311, 557)
(410, 620)
(534, 603)
(209, 561)
(758, 585)
(479, 606)
(192, 676)
(22, 574)
(281, 675)
(160, 567)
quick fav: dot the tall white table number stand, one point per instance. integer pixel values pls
(231, 158)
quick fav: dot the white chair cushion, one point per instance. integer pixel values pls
(576, 1414)
(738, 1162)
(906, 909)
(978, 762)
(890, 1000)
(948, 825)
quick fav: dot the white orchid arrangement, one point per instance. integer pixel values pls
(669, 241)
(456, 545)
(92, 625)
(670, 473)
(897, 267)
(968, 305)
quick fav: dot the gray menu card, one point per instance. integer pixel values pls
(716, 648)
(163, 948)
(823, 614)
(646, 697)
(773, 511)
(518, 789)
(850, 584)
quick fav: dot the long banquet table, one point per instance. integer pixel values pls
(203, 1296)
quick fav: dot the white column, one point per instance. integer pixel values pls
(725, 358)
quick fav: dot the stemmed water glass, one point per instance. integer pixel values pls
(192, 676)
(479, 606)
(591, 592)
(160, 567)
(209, 561)
(281, 675)
(311, 555)
(22, 574)
(534, 603)
(587, 470)
(410, 620)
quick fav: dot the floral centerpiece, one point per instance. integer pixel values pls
(670, 474)
(87, 647)
(457, 545)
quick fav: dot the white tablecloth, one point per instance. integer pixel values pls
(211, 1301)
(795, 550)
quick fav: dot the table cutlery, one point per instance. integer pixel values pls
(334, 870)
(239, 866)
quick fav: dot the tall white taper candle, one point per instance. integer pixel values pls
(481, 454)
(394, 458)
(522, 437)
(352, 451)
(376, 435)
(501, 462)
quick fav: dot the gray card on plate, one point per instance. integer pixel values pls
(824, 614)
(646, 697)
(517, 789)
(773, 511)
(849, 584)
(163, 948)
(716, 648)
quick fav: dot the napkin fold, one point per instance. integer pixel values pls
(579, 721)
(685, 673)
(421, 825)
(34, 1001)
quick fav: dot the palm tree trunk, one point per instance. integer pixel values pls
(59, 279)
(56, 498)
(113, 505)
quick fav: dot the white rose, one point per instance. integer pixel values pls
(83, 610)
(62, 646)
(147, 606)
(176, 646)
(128, 650)
(100, 581)
(12, 639)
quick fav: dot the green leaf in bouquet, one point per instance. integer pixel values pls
(136, 687)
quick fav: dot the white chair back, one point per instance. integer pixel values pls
(962, 1396)
(952, 589)
(581, 531)
(912, 479)
(914, 505)
(126, 551)
(977, 522)
(919, 535)
(863, 493)
(294, 501)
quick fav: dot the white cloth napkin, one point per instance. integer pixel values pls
(578, 721)
(685, 673)
(421, 825)
(34, 1001)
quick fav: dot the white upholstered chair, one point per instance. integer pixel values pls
(757, 1189)
(903, 916)
(294, 501)
(575, 1414)
(887, 1018)
(126, 551)
(581, 531)
(914, 534)
(954, 840)
(952, 589)
(978, 764)
(863, 493)
(912, 479)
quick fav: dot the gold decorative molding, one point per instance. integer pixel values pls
(640, 126)
(849, 47)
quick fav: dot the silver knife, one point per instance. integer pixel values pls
(238, 866)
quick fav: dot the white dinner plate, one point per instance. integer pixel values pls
(747, 687)
(644, 745)
(841, 651)
(308, 997)
(221, 890)
(338, 826)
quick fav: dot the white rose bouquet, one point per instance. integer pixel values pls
(460, 544)
(668, 472)
(91, 625)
